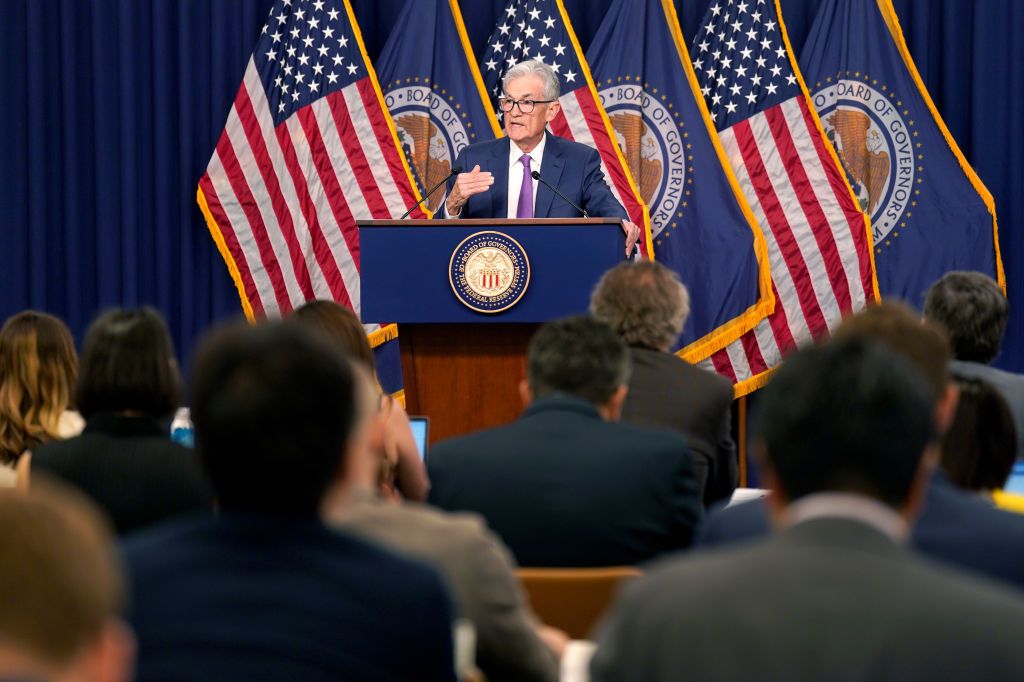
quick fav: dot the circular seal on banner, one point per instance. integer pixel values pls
(430, 130)
(876, 147)
(489, 272)
(651, 140)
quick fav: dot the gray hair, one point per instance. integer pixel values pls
(644, 302)
(534, 67)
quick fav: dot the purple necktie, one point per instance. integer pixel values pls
(525, 206)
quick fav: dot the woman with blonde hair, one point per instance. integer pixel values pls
(38, 366)
(402, 469)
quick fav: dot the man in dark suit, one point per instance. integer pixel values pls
(498, 182)
(955, 526)
(565, 485)
(847, 441)
(266, 591)
(973, 310)
(647, 306)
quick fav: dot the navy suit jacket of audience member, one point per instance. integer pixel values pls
(262, 598)
(954, 526)
(574, 168)
(563, 487)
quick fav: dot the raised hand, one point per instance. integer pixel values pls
(466, 185)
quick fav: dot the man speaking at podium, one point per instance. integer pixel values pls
(521, 175)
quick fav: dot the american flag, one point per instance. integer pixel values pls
(818, 240)
(540, 29)
(308, 149)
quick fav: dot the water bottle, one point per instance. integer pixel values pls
(181, 428)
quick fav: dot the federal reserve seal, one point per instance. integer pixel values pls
(876, 147)
(489, 272)
(652, 140)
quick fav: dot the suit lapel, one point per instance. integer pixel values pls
(551, 170)
(498, 166)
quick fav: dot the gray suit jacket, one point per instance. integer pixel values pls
(667, 392)
(828, 599)
(478, 570)
(1009, 385)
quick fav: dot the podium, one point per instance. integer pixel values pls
(463, 350)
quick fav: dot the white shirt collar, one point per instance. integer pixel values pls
(536, 156)
(849, 506)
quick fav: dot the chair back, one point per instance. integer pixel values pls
(573, 599)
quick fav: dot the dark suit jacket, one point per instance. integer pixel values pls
(261, 598)
(131, 468)
(563, 487)
(667, 392)
(574, 168)
(828, 599)
(954, 527)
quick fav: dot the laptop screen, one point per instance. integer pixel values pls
(1015, 484)
(420, 432)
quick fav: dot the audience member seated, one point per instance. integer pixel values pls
(38, 365)
(647, 305)
(565, 485)
(979, 449)
(265, 591)
(344, 331)
(955, 526)
(972, 309)
(847, 441)
(62, 591)
(128, 386)
(510, 642)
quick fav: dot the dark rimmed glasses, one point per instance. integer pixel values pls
(526, 106)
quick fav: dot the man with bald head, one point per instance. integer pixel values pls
(498, 181)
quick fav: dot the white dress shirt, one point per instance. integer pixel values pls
(515, 173)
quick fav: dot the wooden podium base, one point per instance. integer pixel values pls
(464, 377)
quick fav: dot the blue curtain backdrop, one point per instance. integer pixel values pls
(112, 108)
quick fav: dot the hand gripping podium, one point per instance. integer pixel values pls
(468, 294)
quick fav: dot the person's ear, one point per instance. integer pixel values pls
(945, 409)
(552, 111)
(612, 409)
(111, 658)
(525, 393)
(919, 488)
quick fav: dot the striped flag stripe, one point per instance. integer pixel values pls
(571, 123)
(334, 113)
(720, 363)
(303, 220)
(383, 153)
(317, 214)
(256, 150)
(826, 253)
(227, 233)
(253, 237)
(316, 162)
(807, 264)
(838, 203)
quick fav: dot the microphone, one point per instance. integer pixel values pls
(536, 176)
(455, 171)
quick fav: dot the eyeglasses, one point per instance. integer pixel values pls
(526, 106)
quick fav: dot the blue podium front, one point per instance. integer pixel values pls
(467, 295)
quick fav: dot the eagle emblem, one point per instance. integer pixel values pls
(640, 150)
(428, 151)
(862, 151)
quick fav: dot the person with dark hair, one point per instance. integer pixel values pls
(62, 591)
(38, 365)
(647, 306)
(833, 594)
(342, 328)
(972, 308)
(128, 387)
(955, 526)
(265, 591)
(565, 485)
(979, 449)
